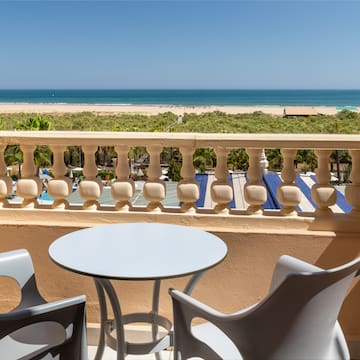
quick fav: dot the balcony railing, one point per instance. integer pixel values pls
(288, 194)
(255, 236)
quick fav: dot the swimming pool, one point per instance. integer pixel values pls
(45, 197)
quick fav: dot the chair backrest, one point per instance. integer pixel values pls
(17, 264)
(299, 317)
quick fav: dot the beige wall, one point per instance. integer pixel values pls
(242, 279)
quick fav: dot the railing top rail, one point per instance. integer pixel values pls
(166, 139)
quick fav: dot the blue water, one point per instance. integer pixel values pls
(185, 97)
(46, 196)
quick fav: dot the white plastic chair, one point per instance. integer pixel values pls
(297, 320)
(36, 329)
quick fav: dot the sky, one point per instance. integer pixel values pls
(180, 44)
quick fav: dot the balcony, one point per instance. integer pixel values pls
(256, 236)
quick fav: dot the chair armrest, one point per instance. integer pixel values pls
(186, 344)
(65, 312)
(207, 312)
(196, 306)
(44, 308)
(197, 341)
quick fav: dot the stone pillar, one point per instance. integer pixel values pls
(60, 187)
(90, 189)
(221, 189)
(288, 194)
(123, 188)
(352, 190)
(5, 180)
(323, 194)
(188, 191)
(255, 193)
(154, 189)
(264, 164)
(29, 186)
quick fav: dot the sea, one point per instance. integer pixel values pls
(338, 98)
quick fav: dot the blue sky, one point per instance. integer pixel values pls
(180, 44)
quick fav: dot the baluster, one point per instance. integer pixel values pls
(60, 187)
(288, 194)
(29, 186)
(221, 189)
(5, 180)
(154, 189)
(323, 194)
(255, 193)
(352, 190)
(264, 164)
(124, 187)
(90, 189)
(188, 191)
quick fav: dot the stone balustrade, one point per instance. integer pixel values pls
(255, 194)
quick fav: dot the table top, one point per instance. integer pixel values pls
(138, 251)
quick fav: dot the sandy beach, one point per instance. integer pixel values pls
(145, 109)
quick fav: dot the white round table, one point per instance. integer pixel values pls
(136, 251)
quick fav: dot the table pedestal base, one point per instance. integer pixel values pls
(112, 330)
(157, 345)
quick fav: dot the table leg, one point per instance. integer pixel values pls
(155, 310)
(192, 282)
(155, 306)
(103, 319)
(119, 324)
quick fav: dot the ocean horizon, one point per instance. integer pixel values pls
(183, 97)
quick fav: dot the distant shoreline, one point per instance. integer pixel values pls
(43, 108)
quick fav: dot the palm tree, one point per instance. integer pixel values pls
(204, 158)
(238, 159)
(14, 156)
(308, 158)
